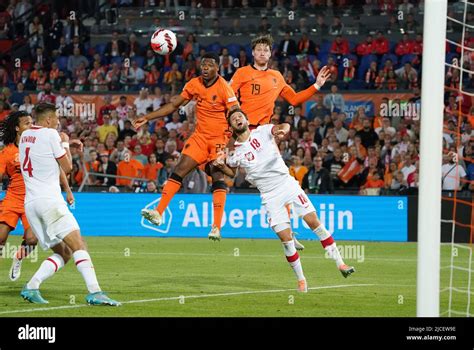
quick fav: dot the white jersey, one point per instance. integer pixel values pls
(40, 148)
(261, 159)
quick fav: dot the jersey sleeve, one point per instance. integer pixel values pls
(189, 90)
(228, 95)
(293, 97)
(55, 143)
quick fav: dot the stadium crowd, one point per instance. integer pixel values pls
(326, 151)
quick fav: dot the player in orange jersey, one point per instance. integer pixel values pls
(214, 99)
(258, 87)
(13, 205)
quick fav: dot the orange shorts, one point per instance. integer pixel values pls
(11, 212)
(203, 148)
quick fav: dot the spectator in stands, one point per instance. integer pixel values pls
(452, 173)
(334, 101)
(195, 182)
(306, 45)
(106, 167)
(106, 128)
(287, 46)
(75, 61)
(411, 26)
(404, 46)
(371, 76)
(367, 135)
(407, 76)
(35, 31)
(74, 44)
(173, 79)
(337, 27)
(136, 76)
(366, 47)
(130, 168)
(340, 46)
(284, 27)
(166, 171)
(43, 60)
(116, 47)
(133, 47)
(297, 169)
(27, 105)
(318, 179)
(19, 94)
(175, 122)
(152, 168)
(138, 155)
(47, 94)
(143, 102)
(349, 74)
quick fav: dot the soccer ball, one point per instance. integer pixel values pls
(163, 41)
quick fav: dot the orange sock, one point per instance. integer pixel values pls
(169, 190)
(218, 202)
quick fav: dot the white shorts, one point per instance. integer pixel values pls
(289, 193)
(50, 221)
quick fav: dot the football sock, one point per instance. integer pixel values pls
(48, 268)
(329, 244)
(293, 259)
(218, 203)
(83, 263)
(172, 185)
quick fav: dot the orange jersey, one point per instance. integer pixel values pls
(10, 166)
(258, 90)
(212, 104)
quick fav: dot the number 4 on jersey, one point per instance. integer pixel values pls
(27, 163)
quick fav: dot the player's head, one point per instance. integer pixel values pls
(209, 65)
(238, 121)
(262, 49)
(45, 115)
(14, 125)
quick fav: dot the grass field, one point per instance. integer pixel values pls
(196, 277)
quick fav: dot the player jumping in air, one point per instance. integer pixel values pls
(43, 153)
(13, 208)
(258, 87)
(214, 99)
(257, 153)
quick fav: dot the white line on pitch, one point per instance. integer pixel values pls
(187, 297)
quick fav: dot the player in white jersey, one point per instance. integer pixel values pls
(43, 153)
(257, 152)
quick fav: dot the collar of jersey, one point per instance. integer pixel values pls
(259, 69)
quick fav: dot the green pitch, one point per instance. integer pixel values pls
(196, 277)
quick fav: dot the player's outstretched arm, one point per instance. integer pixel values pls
(296, 98)
(167, 109)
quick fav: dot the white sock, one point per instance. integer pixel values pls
(334, 253)
(293, 259)
(48, 268)
(321, 232)
(83, 263)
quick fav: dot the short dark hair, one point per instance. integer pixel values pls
(42, 108)
(233, 111)
(211, 55)
(263, 39)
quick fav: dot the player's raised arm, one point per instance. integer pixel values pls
(64, 160)
(167, 109)
(296, 98)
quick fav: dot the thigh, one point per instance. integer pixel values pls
(216, 145)
(10, 216)
(196, 148)
(275, 205)
(301, 204)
